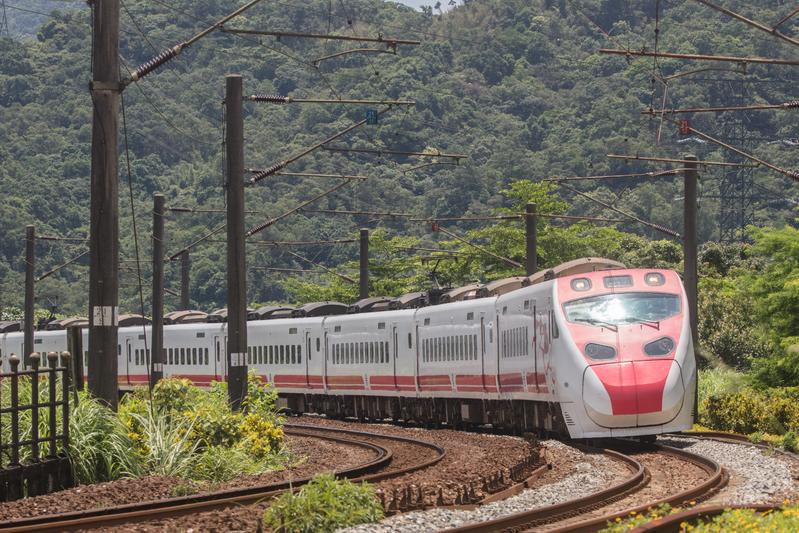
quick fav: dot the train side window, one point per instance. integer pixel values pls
(318, 344)
(474, 343)
(293, 354)
(299, 353)
(249, 354)
(169, 356)
(363, 353)
(554, 325)
(183, 356)
(388, 352)
(206, 356)
(282, 354)
(147, 353)
(193, 356)
(271, 354)
(410, 341)
(136, 356)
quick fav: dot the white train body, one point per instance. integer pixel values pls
(600, 354)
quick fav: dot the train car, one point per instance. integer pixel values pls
(591, 353)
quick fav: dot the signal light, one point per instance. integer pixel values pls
(581, 284)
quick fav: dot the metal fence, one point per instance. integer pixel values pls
(34, 426)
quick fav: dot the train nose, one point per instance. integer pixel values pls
(633, 393)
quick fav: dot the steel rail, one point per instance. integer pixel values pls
(717, 479)
(554, 513)
(180, 506)
(519, 521)
(122, 514)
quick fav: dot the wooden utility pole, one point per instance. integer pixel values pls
(690, 273)
(364, 278)
(236, 254)
(531, 234)
(158, 359)
(185, 271)
(104, 229)
(30, 264)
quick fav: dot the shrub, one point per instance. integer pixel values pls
(261, 397)
(637, 519)
(743, 412)
(175, 395)
(223, 463)
(260, 436)
(324, 505)
(786, 520)
(169, 449)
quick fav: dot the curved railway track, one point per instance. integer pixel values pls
(652, 467)
(376, 469)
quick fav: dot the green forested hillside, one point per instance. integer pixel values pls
(518, 85)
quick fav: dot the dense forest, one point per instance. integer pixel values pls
(517, 85)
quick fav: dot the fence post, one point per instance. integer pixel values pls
(52, 360)
(33, 481)
(15, 486)
(65, 478)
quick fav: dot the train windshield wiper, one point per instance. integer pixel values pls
(635, 320)
(595, 322)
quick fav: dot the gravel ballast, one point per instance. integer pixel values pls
(757, 475)
(588, 473)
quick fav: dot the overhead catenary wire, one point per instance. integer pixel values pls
(323, 267)
(700, 57)
(792, 104)
(511, 262)
(282, 164)
(63, 265)
(650, 174)
(754, 24)
(170, 53)
(259, 228)
(634, 218)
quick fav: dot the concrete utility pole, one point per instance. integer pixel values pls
(185, 271)
(364, 279)
(30, 264)
(158, 359)
(690, 244)
(236, 253)
(104, 230)
(531, 234)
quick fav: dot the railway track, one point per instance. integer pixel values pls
(657, 477)
(376, 469)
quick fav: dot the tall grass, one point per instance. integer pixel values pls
(169, 450)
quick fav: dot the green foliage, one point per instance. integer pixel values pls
(516, 84)
(638, 519)
(784, 520)
(323, 506)
(773, 411)
(168, 446)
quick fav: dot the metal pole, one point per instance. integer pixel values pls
(185, 271)
(364, 279)
(690, 242)
(236, 256)
(531, 223)
(104, 226)
(30, 263)
(157, 370)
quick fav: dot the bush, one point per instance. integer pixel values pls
(785, 520)
(638, 519)
(324, 505)
(223, 463)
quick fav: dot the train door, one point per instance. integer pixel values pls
(220, 357)
(535, 348)
(307, 358)
(483, 349)
(125, 360)
(395, 344)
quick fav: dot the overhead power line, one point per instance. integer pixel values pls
(390, 41)
(436, 153)
(63, 265)
(280, 99)
(700, 57)
(309, 174)
(672, 160)
(634, 218)
(511, 262)
(170, 53)
(793, 104)
(762, 27)
(282, 164)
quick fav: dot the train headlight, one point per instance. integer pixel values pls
(581, 284)
(662, 346)
(599, 351)
(654, 279)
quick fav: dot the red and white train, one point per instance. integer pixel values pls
(603, 353)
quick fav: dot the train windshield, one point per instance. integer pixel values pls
(625, 308)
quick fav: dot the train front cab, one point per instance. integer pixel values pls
(628, 336)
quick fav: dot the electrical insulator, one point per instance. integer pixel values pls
(155, 62)
(266, 172)
(792, 103)
(685, 127)
(271, 98)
